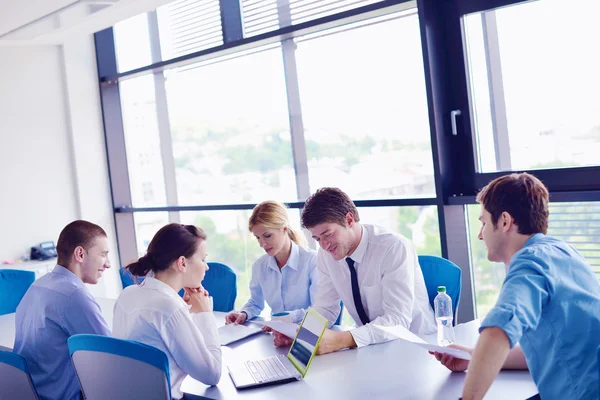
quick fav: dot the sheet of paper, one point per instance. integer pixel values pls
(404, 334)
(287, 328)
(232, 333)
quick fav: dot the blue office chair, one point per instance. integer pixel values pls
(110, 368)
(127, 279)
(438, 271)
(13, 286)
(338, 321)
(221, 283)
(15, 379)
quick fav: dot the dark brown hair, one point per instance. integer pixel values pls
(521, 195)
(328, 204)
(168, 244)
(77, 233)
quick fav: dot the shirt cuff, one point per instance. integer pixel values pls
(205, 321)
(249, 314)
(505, 320)
(362, 336)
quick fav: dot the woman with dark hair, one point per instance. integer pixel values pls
(153, 313)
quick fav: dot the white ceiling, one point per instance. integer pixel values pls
(51, 22)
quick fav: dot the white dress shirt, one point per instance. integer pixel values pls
(154, 314)
(392, 288)
(292, 289)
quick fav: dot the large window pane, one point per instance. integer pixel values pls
(365, 112)
(576, 223)
(146, 226)
(230, 130)
(534, 85)
(144, 160)
(132, 43)
(418, 223)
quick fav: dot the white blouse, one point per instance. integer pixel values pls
(154, 314)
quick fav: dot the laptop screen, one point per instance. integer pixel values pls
(307, 339)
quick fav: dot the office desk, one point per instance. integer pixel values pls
(7, 322)
(396, 369)
(393, 370)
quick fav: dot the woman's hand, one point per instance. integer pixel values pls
(235, 318)
(198, 299)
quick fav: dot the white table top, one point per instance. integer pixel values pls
(395, 369)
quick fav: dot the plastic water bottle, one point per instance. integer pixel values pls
(443, 316)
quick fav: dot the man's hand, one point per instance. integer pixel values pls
(280, 340)
(334, 341)
(452, 363)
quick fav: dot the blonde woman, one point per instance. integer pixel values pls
(286, 276)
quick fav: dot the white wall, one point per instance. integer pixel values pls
(53, 166)
(37, 195)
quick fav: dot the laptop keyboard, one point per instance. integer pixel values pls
(268, 369)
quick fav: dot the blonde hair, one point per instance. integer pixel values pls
(273, 215)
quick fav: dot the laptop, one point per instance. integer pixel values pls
(282, 368)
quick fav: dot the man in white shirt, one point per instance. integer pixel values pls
(374, 272)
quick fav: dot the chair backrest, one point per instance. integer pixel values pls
(110, 368)
(221, 283)
(127, 279)
(15, 380)
(338, 321)
(13, 286)
(438, 271)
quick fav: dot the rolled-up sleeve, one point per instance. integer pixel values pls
(519, 307)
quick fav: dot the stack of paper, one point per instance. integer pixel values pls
(402, 333)
(232, 333)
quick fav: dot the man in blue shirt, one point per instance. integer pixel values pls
(58, 305)
(547, 317)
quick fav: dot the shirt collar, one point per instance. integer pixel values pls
(534, 239)
(67, 273)
(154, 284)
(361, 249)
(292, 261)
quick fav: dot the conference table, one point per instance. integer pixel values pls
(392, 370)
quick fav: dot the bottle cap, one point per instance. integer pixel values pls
(441, 289)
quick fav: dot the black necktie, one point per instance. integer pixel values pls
(356, 292)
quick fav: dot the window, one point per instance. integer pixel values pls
(230, 131)
(534, 87)
(146, 226)
(144, 160)
(364, 110)
(187, 26)
(132, 43)
(578, 224)
(416, 223)
(260, 16)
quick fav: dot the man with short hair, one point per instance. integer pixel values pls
(547, 317)
(374, 272)
(58, 305)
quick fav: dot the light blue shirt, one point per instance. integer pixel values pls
(56, 306)
(291, 289)
(550, 304)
